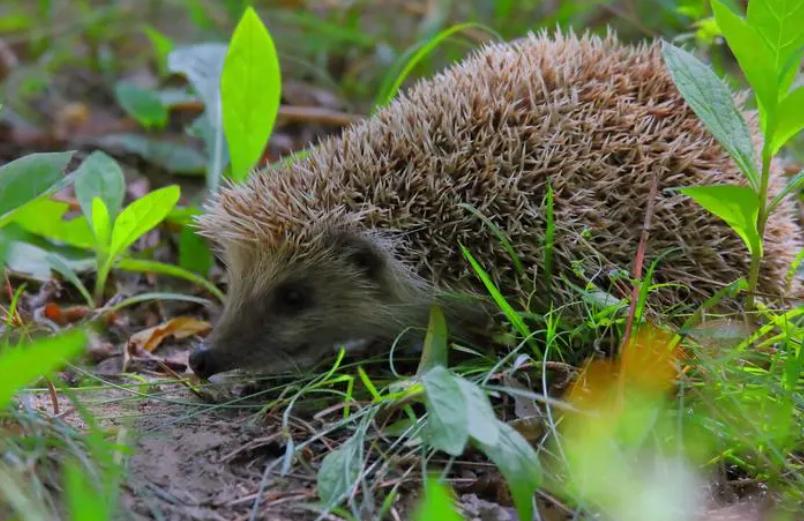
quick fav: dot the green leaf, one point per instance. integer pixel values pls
(435, 342)
(482, 421)
(176, 158)
(510, 313)
(101, 224)
(99, 176)
(518, 463)
(43, 217)
(194, 252)
(790, 119)
(140, 265)
(437, 505)
(793, 185)
(140, 217)
(737, 205)
(60, 265)
(27, 254)
(711, 100)
(202, 65)
(339, 471)
(250, 90)
(448, 422)
(22, 365)
(144, 105)
(780, 23)
(29, 177)
(755, 58)
(82, 499)
(156, 295)
(415, 54)
(162, 46)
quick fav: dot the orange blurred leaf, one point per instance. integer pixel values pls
(647, 363)
(648, 360)
(179, 327)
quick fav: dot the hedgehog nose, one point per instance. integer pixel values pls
(201, 362)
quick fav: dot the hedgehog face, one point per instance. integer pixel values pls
(285, 312)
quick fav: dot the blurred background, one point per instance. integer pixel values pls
(63, 62)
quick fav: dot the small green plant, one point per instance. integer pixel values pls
(250, 89)
(768, 45)
(105, 227)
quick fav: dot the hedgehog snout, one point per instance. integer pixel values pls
(202, 362)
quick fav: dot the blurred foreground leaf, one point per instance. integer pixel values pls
(437, 504)
(21, 365)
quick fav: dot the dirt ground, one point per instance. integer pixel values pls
(193, 463)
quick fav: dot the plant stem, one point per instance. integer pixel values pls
(762, 219)
(100, 278)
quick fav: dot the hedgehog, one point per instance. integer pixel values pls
(355, 243)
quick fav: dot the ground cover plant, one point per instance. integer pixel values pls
(118, 120)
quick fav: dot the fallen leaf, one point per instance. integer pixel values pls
(64, 315)
(179, 327)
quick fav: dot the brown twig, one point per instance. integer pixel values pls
(54, 397)
(640, 260)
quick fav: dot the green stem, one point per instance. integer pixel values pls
(762, 219)
(100, 280)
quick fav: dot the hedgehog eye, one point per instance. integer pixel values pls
(292, 298)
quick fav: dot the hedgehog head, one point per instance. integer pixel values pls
(290, 304)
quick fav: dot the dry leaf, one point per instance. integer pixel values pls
(179, 327)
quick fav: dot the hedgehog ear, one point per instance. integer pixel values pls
(361, 251)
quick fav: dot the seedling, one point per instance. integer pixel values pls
(768, 45)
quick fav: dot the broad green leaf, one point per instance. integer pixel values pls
(250, 90)
(22, 365)
(780, 23)
(84, 502)
(711, 100)
(202, 65)
(99, 176)
(140, 265)
(44, 217)
(482, 421)
(435, 342)
(141, 104)
(101, 224)
(194, 252)
(737, 205)
(790, 119)
(448, 422)
(755, 58)
(176, 158)
(518, 463)
(339, 471)
(437, 505)
(28, 254)
(29, 177)
(140, 217)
